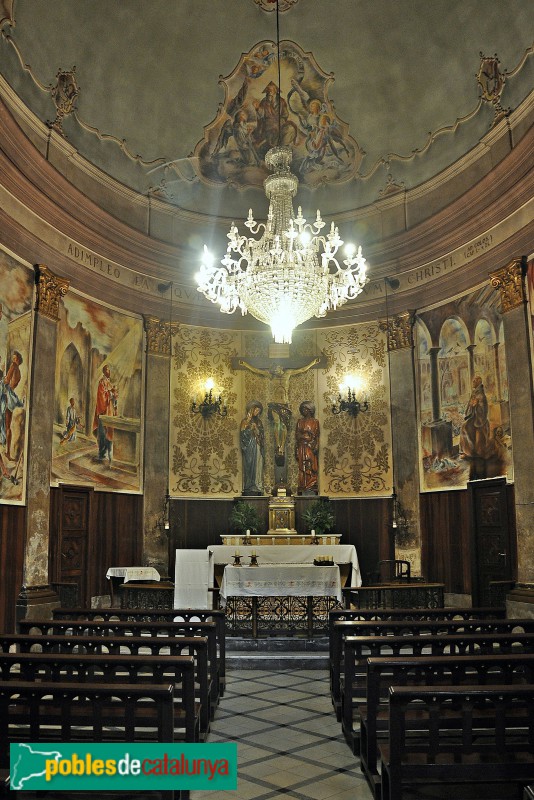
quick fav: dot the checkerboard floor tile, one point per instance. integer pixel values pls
(289, 742)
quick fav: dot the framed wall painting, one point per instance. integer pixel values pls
(16, 300)
(462, 389)
(98, 403)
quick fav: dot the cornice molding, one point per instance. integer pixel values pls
(39, 189)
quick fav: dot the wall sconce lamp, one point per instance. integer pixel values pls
(350, 403)
(210, 405)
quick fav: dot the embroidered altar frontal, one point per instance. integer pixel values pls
(283, 598)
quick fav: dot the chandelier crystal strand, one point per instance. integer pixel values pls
(288, 275)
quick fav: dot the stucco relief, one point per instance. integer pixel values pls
(255, 116)
(355, 451)
(204, 454)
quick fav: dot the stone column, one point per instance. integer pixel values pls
(156, 455)
(471, 352)
(437, 434)
(405, 436)
(36, 598)
(516, 322)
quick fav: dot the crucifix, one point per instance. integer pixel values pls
(279, 412)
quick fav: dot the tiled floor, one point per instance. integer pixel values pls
(289, 741)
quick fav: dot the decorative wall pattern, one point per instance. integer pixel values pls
(16, 293)
(463, 392)
(356, 451)
(98, 431)
(204, 458)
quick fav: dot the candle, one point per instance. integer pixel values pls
(248, 533)
(313, 533)
(236, 552)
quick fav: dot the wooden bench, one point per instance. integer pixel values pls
(427, 671)
(196, 646)
(159, 615)
(120, 669)
(358, 649)
(412, 614)
(60, 712)
(120, 628)
(408, 628)
(493, 743)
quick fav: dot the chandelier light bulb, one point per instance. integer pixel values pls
(288, 274)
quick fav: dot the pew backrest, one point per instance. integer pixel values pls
(428, 671)
(120, 669)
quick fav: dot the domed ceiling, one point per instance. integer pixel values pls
(161, 112)
(169, 98)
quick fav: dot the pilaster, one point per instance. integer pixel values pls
(404, 434)
(36, 597)
(157, 415)
(510, 283)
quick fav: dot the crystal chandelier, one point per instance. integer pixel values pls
(290, 273)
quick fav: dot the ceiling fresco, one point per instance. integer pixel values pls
(255, 117)
(376, 97)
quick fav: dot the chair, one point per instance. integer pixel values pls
(393, 571)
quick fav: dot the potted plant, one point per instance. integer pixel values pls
(319, 516)
(243, 518)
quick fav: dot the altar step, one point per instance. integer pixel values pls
(274, 653)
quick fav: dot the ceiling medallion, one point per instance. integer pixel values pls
(270, 5)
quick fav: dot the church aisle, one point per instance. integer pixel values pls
(289, 741)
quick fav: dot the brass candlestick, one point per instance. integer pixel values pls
(237, 560)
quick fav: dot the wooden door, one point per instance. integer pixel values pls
(493, 551)
(70, 544)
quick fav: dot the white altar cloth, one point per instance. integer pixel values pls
(134, 573)
(288, 554)
(276, 580)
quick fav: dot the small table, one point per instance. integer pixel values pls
(280, 581)
(115, 574)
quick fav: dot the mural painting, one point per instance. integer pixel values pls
(16, 294)
(98, 402)
(463, 392)
(255, 116)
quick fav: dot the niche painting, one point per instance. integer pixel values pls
(16, 293)
(463, 393)
(98, 401)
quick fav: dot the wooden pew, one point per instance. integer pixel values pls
(406, 627)
(119, 628)
(382, 614)
(493, 745)
(427, 671)
(196, 646)
(139, 669)
(358, 649)
(159, 615)
(59, 712)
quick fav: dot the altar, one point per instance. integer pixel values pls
(280, 597)
(286, 593)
